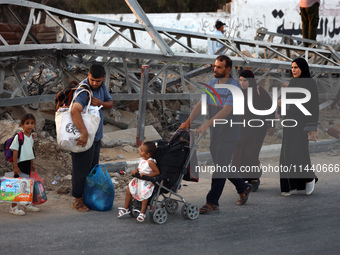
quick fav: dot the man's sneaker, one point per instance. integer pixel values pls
(16, 211)
(31, 208)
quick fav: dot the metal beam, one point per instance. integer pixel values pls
(126, 61)
(144, 20)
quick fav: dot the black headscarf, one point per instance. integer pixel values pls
(261, 101)
(303, 65)
(250, 77)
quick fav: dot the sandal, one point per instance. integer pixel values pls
(141, 217)
(208, 208)
(122, 211)
(80, 206)
(244, 196)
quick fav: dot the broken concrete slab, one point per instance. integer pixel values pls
(110, 128)
(128, 148)
(9, 128)
(128, 136)
(120, 118)
(47, 111)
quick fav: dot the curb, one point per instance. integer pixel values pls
(267, 151)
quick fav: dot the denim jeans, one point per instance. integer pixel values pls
(82, 164)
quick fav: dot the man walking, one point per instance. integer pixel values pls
(223, 138)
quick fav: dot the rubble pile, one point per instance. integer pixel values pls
(54, 164)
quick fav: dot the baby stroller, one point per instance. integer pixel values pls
(176, 161)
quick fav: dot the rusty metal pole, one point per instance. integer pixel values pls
(144, 80)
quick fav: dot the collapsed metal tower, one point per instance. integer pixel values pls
(29, 51)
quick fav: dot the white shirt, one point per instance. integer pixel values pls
(214, 45)
(26, 152)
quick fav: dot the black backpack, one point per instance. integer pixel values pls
(64, 97)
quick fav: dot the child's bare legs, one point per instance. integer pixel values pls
(144, 205)
(125, 210)
(128, 198)
(141, 215)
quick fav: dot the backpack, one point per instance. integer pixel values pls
(8, 152)
(64, 97)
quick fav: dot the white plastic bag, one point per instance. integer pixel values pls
(67, 132)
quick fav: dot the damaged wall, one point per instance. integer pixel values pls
(276, 16)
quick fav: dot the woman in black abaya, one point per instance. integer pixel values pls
(247, 150)
(294, 151)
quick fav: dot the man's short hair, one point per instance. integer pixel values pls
(219, 24)
(227, 60)
(97, 71)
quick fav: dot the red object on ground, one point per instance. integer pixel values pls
(333, 132)
(121, 172)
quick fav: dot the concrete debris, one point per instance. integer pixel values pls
(9, 128)
(128, 148)
(128, 136)
(67, 178)
(63, 189)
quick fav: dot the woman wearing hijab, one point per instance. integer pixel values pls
(246, 153)
(294, 150)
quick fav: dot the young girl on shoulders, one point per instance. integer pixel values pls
(23, 163)
(139, 189)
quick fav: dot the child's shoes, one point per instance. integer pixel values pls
(122, 211)
(141, 217)
(31, 208)
(16, 211)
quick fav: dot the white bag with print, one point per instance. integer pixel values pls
(67, 132)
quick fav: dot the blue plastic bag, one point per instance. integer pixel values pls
(99, 191)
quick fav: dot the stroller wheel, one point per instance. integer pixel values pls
(190, 211)
(184, 211)
(160, 216)
(171, 206)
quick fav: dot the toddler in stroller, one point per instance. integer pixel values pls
(140, 189)
(173, 160)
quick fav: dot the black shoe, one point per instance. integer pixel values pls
(255, 184)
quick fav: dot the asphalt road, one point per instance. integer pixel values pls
(267, 224)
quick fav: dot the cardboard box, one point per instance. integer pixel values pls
(16, 190)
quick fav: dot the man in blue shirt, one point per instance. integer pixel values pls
(83, 162)
(223, 138)
(214, 46)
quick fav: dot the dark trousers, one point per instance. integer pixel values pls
(25, 166)
(310, 21)
(221, 154)
(82, 164)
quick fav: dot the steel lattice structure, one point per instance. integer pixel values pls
(29, 54)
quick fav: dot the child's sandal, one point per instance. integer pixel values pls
(122, 211)
(141, 217)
